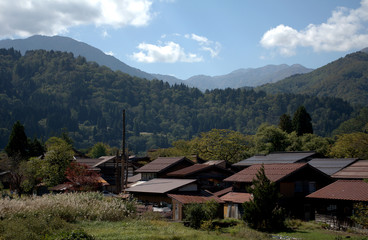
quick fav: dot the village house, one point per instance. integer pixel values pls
(334, 203)
(358, 170)
(276, 157)
(293, 180)
(209, 175)
(160, 167)
(233, 207)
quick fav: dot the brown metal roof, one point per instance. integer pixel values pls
(194, 198)
(357, 170)
(223, 192)
(161, 164)
(196, 168)
(276, 157)
(160, 185)
(90, 162)
(236, 197)
(331, 165)
(274, 172)
(354, 190)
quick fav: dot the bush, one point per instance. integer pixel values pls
(197, 213)
(72, 235)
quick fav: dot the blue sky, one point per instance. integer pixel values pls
(190, 37)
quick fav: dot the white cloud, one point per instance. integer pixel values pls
(50, 17)
(206, 45)
(109, 53)
(344, 30)
(169, 53)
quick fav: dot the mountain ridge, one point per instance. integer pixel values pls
(236, 79)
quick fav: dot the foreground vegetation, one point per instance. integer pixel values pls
(93, 216)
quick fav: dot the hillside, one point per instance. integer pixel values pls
(51, 92)
(236, 79)
(346, 78)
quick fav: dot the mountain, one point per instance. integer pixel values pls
(66, 44)
(51, 91)
(250, 77)
(345, 78)
(236, 79)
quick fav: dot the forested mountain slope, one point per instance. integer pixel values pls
(51, 92)
(346, 78)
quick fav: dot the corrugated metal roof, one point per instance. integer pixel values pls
(90, 162)
(236, 197)
(189, 170)
(331, 165)
(160, 185)
(104, 159)
(160, 164)
(354, 190)
(357, 170)
(274, 172)
(194, 198)
(276, 157)
(223, 192)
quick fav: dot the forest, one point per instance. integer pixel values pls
(54, 92)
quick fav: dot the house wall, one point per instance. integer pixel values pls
(177, 210)
(152, 198)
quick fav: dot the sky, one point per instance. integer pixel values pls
(184, 38)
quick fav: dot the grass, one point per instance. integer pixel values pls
(50, 216)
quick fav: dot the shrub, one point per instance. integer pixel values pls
(197, 213)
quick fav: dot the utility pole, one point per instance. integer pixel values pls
(123, 179)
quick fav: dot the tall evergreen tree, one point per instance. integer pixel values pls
(262, 212)
(285, 123)
(17, 147)
(302, 121)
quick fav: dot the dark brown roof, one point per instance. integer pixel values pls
(161, 164)
(135, 178)
(90, 162)
(274, 172)
(331, 165)
(160, 185)
(276, 157)
(236, 197)
(194, 198)
(223, 192)
(196, 168)
(354, 190)
(357, 170)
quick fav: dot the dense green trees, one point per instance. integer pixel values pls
(53, 91)
(302, 121)
(352, 145)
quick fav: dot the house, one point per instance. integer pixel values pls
(293, 180)
(276, 157)
(156, 190)
(357, 170)
(334, 203)
(209, 175)
(109, 168)
(179, 201)
(331, 165)
(233, 207)
(160, 167)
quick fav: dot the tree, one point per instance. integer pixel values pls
(269, 138)
(82, 178)
(361, 214)
(98, 150)
(302, 122)
(262, 211)
(197, 213)
(353, 145)
(221, 144)
(17, 147)
(57, 158)
(285, 123)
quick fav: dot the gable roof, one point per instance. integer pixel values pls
(161, 164)
(276, 157)
(357, 170)
(354, 190)
(160, 185)
(236, 197)
(195, 169)
(331, 165)
(223, 192)
(201, 197)
(274, 172)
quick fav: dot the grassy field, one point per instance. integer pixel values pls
(162, 230)
(93, 216)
